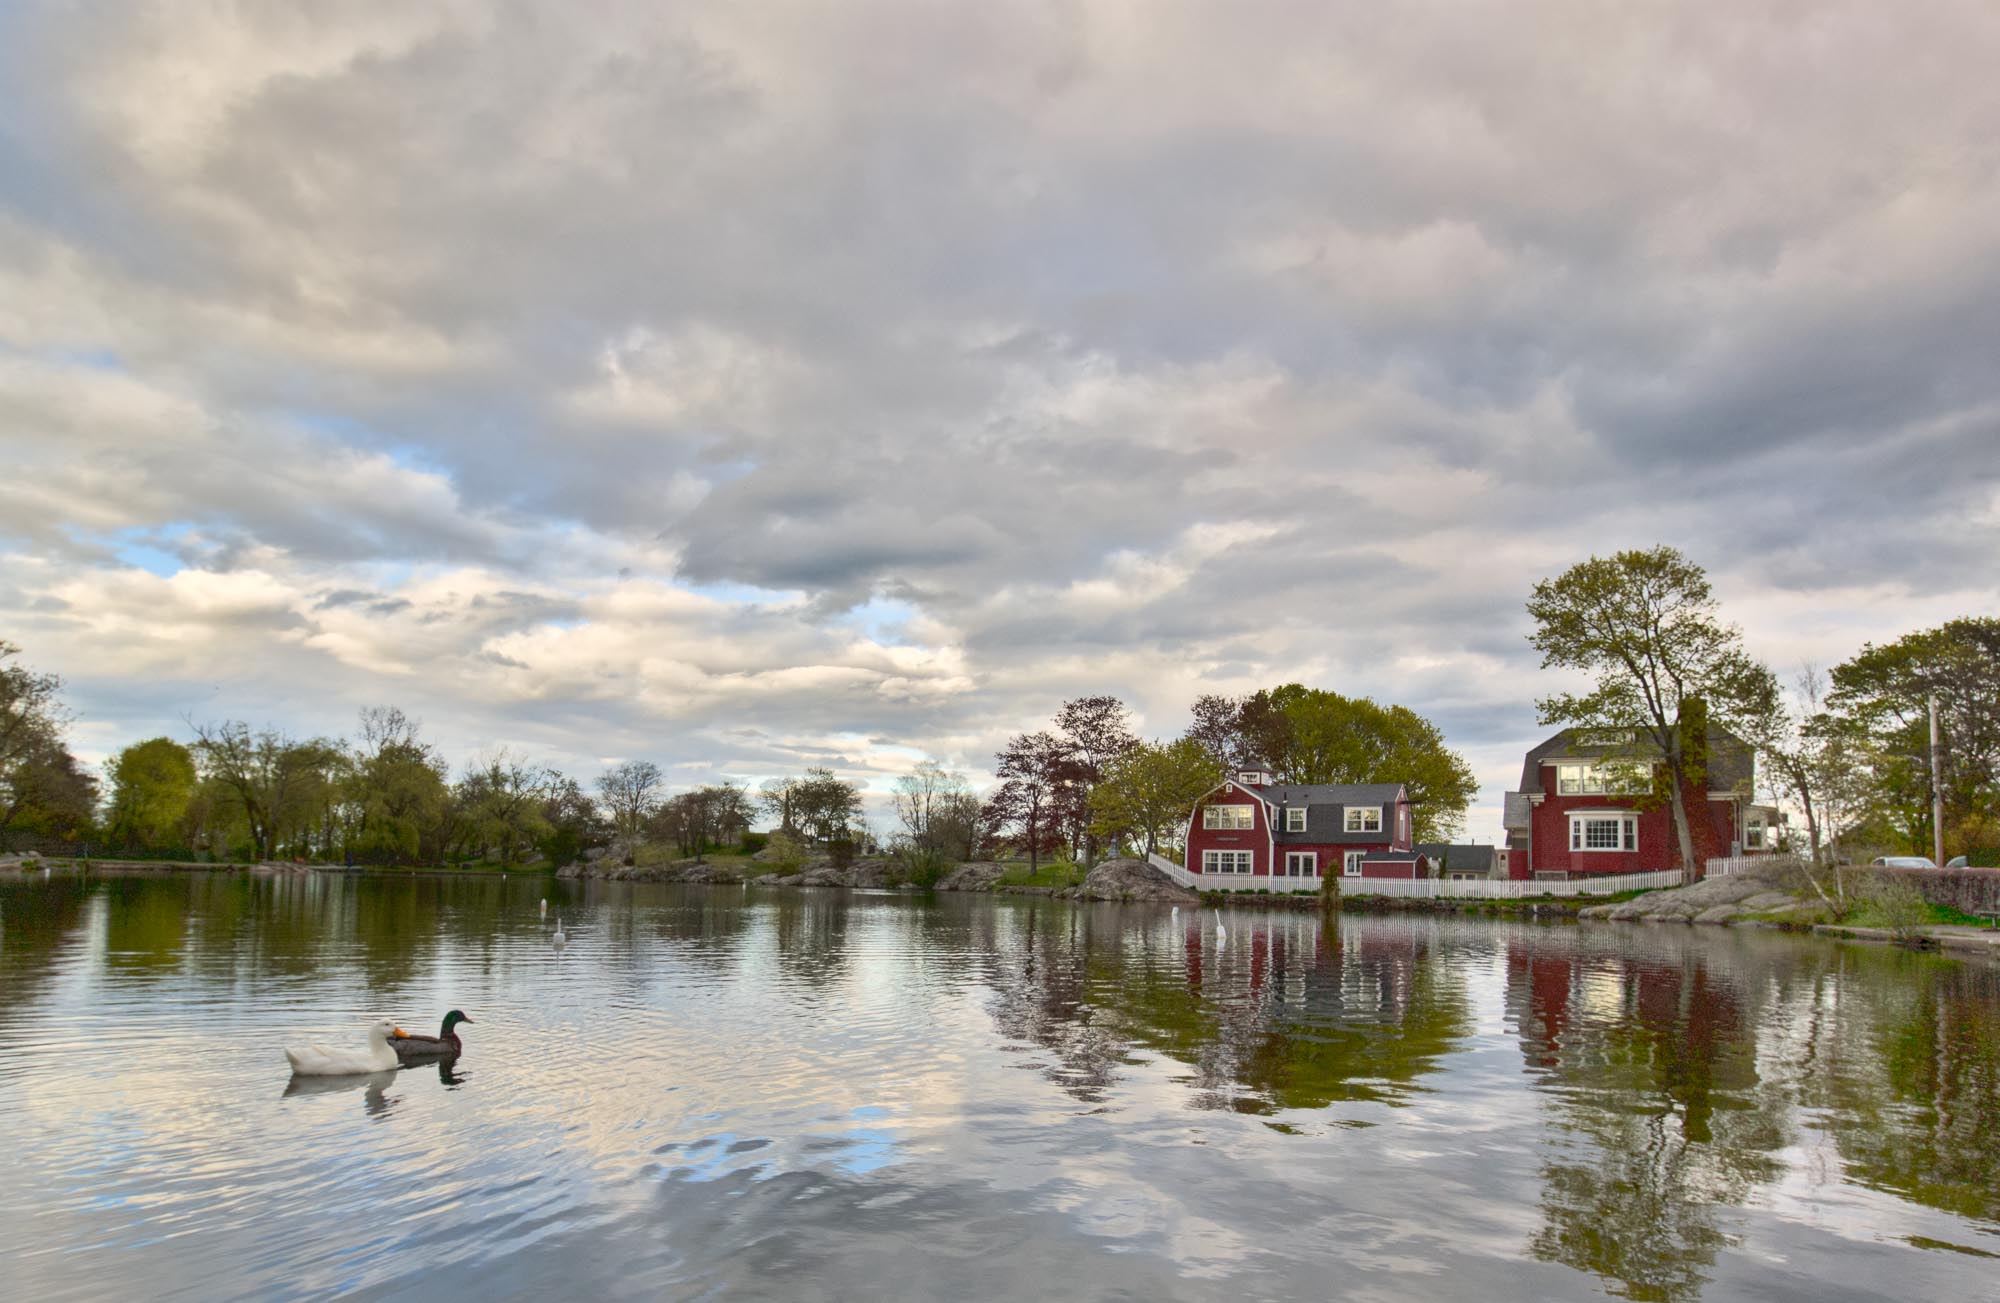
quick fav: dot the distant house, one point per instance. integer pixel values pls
(1463, 862)
(1584, 808)
(1249, 827)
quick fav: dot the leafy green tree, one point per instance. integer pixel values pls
(152, 785)
(1646, 624)
(1148, 791)
(396, 789)
(825, 806)
(1887, 690)
(1337, 739)
(502, 802)
(277, 784)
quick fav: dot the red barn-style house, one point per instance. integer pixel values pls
(1583, 808)
(1251, 832)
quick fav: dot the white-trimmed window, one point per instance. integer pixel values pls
(1604, 777)
(1225, 861)
(1364, 818)
(1604, 832)
(1351, 863)
(1302, 864)
(1753, 833)
(1295, 819)
(1228, 818)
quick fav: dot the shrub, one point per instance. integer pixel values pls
(753, 842)
(1895, 903)
(785, 851)
(921, 868)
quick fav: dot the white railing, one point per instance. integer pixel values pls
(1508, 888)
(1173, 870)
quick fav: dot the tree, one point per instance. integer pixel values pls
(1646, 624)
(1313, 735)
(1151, 788)
(41, 785)
(502, 800)
(397, 791)
(1815, 760)
(1887, 690)
(775, 797)
(1330, 738)
(1034, 769)
(1097, 731)
(825, 806)
(571, 819)
(706, 816)
(273, 781)
(930, 803)
(152, 785)
(630, 792)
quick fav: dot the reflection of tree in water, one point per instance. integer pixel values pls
(1658, 1119)
(810, 931)
(1289, 1014)
(1907, 1071)
(37, 920)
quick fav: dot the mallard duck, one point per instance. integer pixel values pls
(421, 1049)
(319, 1061)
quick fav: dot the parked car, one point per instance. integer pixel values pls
(1902, 862)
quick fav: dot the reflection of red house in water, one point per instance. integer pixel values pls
(1253, 832)
(1585, 809)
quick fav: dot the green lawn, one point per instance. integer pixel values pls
(1053, 874)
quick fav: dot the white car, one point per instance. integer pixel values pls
(1902, 862)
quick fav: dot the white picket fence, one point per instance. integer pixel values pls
(1508, 888)
(1429, 888)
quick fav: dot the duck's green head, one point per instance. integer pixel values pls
(453, 1019)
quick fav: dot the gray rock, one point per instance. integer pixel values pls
(1130, 880)
(978, 876)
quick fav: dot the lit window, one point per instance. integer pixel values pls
(1225, 861)
(1295, 820)
(1364, 818)
(1617, 778)
(1228, 817)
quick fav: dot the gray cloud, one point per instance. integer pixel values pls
(744, 390)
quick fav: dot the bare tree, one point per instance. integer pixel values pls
(631, 793)
(928, 799)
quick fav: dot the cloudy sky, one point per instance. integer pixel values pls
(750, 386)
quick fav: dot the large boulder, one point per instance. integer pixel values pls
(978, 876)
(1131, 880)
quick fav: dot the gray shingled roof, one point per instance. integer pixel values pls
(1731, 762)
(1472, 858)
(1326, 810)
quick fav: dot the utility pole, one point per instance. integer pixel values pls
(1937, 791)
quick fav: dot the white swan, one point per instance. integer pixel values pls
(561, 938)
(545, 907)
(319, 1061)
(1177, 911)
(1220, 935)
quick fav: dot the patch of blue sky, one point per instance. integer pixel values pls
(742, 594)
(880, 619)
(148, 547)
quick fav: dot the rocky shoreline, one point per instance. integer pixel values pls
(1118, 879)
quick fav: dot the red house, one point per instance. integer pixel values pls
(1582, 809)
(1250, 831)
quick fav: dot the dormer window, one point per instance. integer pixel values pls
(1364, 818)
(1295, 819)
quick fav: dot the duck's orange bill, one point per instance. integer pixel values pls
(400, 1033)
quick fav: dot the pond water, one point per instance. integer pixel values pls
(770, 1093)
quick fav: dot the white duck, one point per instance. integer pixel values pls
(561, 938)
(545, 907)
(319, 1061)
